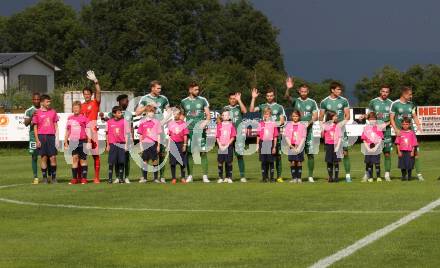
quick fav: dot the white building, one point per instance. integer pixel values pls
(28, 71)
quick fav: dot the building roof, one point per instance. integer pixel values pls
(9, 60)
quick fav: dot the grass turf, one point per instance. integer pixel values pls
(238, 225)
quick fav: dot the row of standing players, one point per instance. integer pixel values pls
(196, 111)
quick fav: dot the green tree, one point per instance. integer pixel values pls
(368, 88)
(132, 42)
(424, 79)
(3, 21)
(218, 79)
(319, 91)
(264, 75)
(50, 28)
(249, 36)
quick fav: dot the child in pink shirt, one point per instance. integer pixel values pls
(76, 137)
(406, 145)
(266, 141)
(45, 121)
(178, 141)
(149, 131)
(118, 134)
(333, 139)
(372, 137)
(226, 134)
(295, 134)
(178, 133)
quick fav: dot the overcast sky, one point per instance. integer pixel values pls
(342, 39)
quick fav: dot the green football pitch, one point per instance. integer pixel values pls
(215, 225)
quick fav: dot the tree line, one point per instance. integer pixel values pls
(224, 46)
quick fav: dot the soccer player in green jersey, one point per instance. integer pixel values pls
(236, 109)
(32, 144)
(198, 117)
(381, 107)
(309, 113)
(401, 108)
(278, 115)
(161, 103)
(339, 105)
(123, 102)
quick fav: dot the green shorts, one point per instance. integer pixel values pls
(201, 140)
(32, 147)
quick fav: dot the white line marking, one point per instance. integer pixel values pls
(26, 203)
(327, 261)
(11, 185)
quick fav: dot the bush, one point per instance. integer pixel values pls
(15, 99)
(18, 100)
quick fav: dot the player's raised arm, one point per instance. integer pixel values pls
(290, 82)
(240, 102)
(91, 76)
(254, 94)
